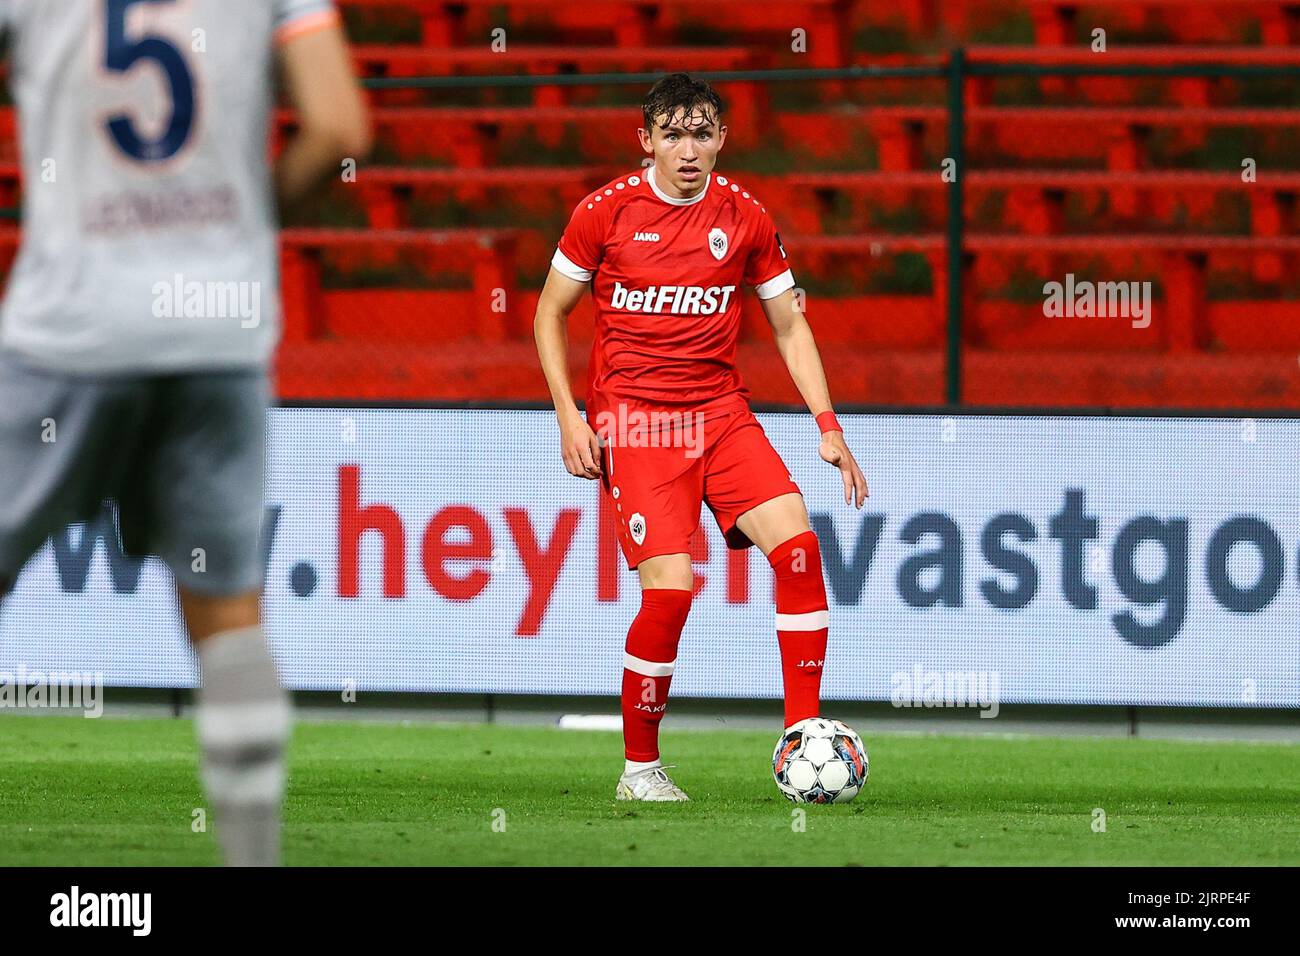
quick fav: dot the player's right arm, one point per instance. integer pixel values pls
(333, 124)
(578, 443)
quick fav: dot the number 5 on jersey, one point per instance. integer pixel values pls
(121, 53)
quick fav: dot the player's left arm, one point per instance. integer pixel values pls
(333, 121)
(794, 340)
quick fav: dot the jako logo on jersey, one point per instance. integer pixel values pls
(717, 242)
(637, 528)
(674, 299)
(646, 237)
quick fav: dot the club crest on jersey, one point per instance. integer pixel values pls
(717, 242)
(636, 527)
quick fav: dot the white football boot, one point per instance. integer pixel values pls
(653, 785)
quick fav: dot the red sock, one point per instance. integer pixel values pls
(802, 620)
(648, 668)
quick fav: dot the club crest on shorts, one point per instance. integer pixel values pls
(717, 242)
(636, 527)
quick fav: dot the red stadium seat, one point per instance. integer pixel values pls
(388, 190)
(1055, 21)
(1183, 91)
(632, 24)
(485, 258)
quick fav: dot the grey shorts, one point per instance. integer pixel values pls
(182, 456)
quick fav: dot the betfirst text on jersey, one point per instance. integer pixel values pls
(673, 299)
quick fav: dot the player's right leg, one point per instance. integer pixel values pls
(655, 491)
(648, 662)
(63, 440)
(243, 721)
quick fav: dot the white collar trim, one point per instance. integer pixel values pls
(650, 178)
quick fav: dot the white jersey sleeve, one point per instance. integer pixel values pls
(296, 17)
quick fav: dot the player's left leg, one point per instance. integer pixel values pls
(750, 492)
(780, 529)
(201, 512)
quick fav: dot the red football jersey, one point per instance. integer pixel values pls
(666, 276)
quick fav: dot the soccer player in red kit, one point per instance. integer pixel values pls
(665, 251)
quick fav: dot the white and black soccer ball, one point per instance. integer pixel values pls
(820, 760)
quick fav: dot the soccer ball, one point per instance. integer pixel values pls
(820, 760)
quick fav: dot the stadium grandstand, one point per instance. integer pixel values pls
(415, 280)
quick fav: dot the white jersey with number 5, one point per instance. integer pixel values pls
(149, 233)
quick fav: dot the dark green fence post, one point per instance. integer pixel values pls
(956, 212)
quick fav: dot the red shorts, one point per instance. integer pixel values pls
(661, 465)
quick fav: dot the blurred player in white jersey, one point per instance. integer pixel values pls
(142, 311)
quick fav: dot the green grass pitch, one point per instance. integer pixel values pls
(123, 791)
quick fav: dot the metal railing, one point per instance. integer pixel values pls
(956, 70)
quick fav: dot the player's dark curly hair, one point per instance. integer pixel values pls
(680, 93)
